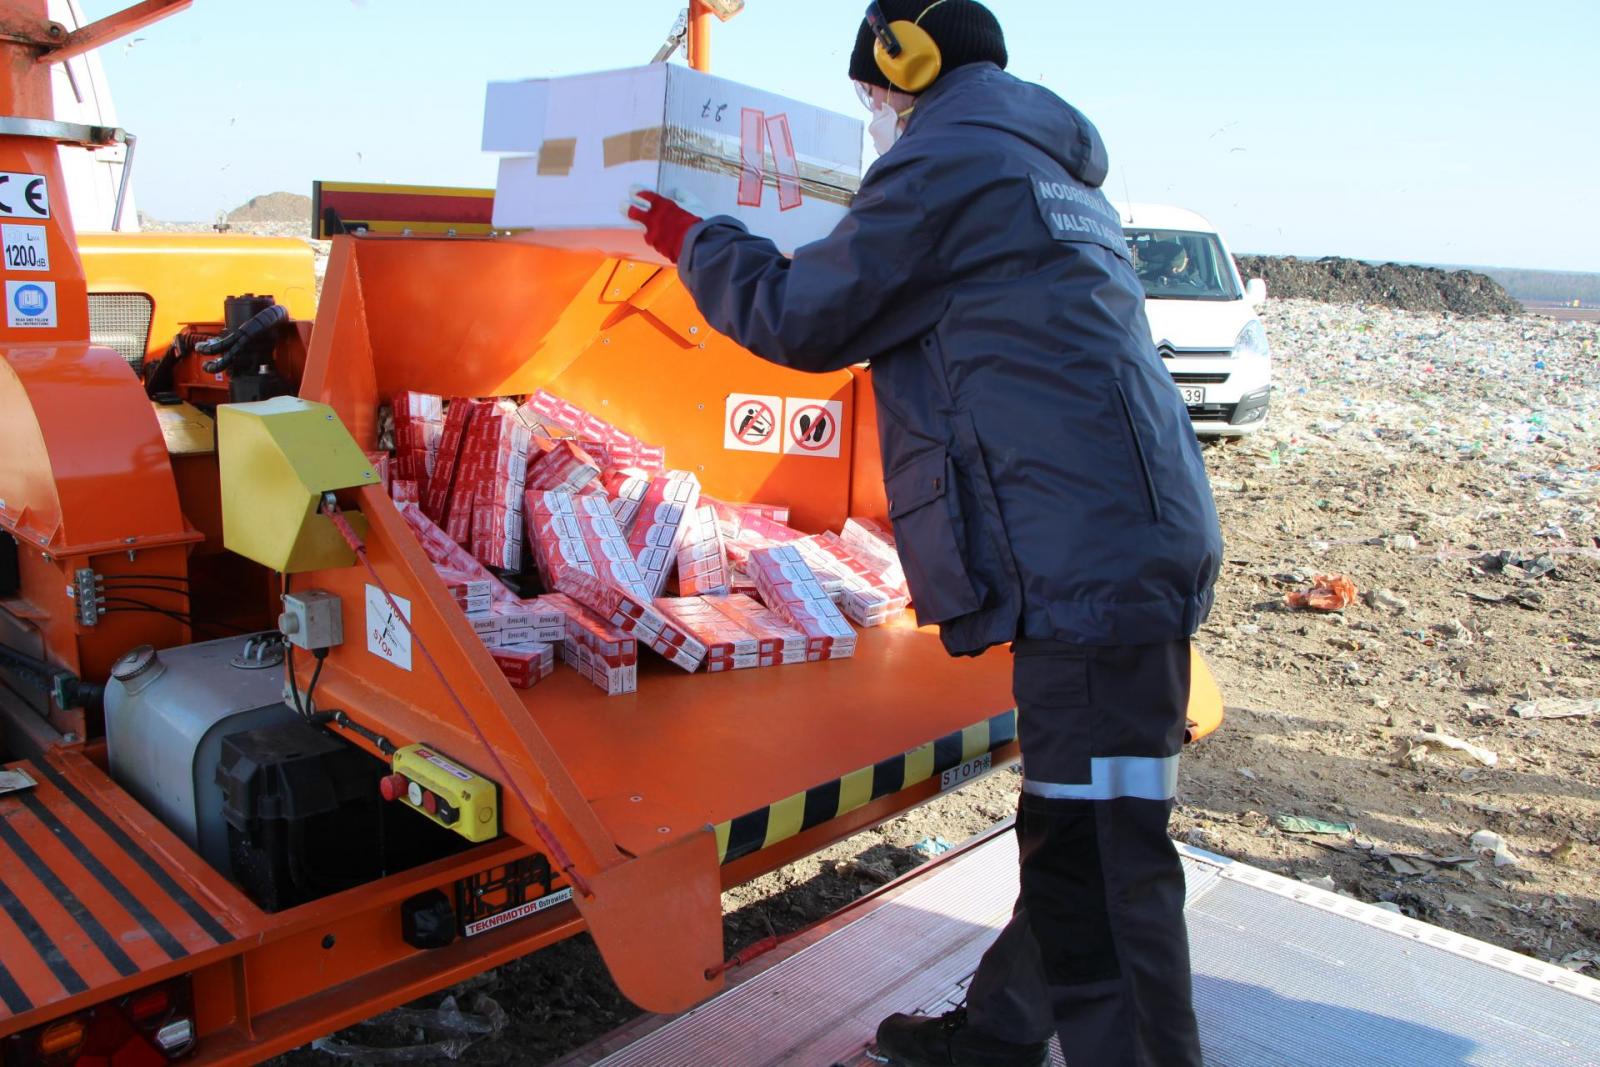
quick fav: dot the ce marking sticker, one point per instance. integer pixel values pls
(24, 196)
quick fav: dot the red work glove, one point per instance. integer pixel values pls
(665, 223)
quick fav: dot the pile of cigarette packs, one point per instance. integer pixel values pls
(629, 554)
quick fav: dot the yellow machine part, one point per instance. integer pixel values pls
(187, 430)
(276, 458)
(186, 276)
(462, 801)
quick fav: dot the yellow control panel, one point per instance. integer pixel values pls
(444, 791)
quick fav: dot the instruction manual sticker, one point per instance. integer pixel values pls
(750, 423)
(24, 196)
(30, 304)
(812, 427)
(25, 247)
(388, 637)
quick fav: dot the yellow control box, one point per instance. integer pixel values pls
(445, 792)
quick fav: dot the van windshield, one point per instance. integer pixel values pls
(1182, 265)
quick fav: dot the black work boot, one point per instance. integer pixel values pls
(920, 1041)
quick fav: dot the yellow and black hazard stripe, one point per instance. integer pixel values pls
(777, 822)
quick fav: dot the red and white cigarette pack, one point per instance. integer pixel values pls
(525, 665)
(437, 499)
(668, 501)
(789, 587)
(862, 594)
(778, 513)
(579, 535)
(703, 557)
(779, 641)
(562, 465)
(627, 488)
(444, 552)
(405, 491)
(418, 426)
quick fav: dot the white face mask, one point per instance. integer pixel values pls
(884, 128)
(890, 109)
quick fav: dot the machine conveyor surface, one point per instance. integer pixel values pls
(701, 749)
(1285, 974)
(93, 897)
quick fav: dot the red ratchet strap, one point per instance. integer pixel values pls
(546, 835)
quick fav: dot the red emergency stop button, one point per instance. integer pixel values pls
(392, 786)
(430, 803)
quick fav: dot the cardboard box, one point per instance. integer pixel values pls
(577, 145)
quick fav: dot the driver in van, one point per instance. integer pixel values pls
(1046, 492)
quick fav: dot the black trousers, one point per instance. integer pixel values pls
(1096, 949)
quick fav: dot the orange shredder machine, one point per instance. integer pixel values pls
(624, 816)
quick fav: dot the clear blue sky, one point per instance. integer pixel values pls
(1457, 131)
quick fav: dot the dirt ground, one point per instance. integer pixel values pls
(1449, 468)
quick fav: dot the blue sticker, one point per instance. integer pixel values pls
(31, 300)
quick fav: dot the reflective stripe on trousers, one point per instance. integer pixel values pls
(1112, 777)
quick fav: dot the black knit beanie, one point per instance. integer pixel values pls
(965, 31)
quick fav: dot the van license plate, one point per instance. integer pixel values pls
(1193, 396)
(966, 772)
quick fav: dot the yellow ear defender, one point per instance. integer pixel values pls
(908, 56)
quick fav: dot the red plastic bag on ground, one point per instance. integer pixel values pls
(1329, 592)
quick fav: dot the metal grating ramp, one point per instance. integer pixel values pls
(1284, 975)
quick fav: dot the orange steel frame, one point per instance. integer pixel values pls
(631, 786)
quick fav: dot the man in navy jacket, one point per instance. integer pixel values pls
(1046, 490)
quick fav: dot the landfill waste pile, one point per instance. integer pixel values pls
(1430, 745)
(1336, 280)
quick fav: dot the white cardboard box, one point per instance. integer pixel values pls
(577, 145)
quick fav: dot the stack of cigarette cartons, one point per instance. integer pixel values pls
(579, 535)
(563, 465)
(418, 426)
(470, 592)
(703, 557)
(637, 615)
(659, 529)
(873, 543)
(437, 498)
(737, 632)
(745, 528)
(855, 585)
(595, 649)
(611, 445)
(444, 552)
(626, 487)
(536, 620)
(501, 466)
(789, 587)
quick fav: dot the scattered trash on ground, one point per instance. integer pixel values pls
(1489, 841)
(444, 1032)
(1427, 740)
(1555, 708)
(932, 846)
(1298, 824)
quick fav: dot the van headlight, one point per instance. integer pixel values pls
(1252, 341)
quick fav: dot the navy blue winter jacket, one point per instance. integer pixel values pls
(1042, 476)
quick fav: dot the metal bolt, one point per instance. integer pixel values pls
(700, 407)
(328, 940)
(663, 829)
(702, 344)
(636, 798)
(694, 329)
(616, 292)
(366, 474)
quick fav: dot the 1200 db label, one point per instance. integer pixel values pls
(966, 772)
(26, 247)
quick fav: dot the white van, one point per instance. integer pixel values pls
(1202, 318)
